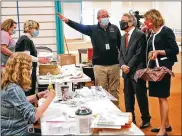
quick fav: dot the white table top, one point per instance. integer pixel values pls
(97, 106)
(84, 78)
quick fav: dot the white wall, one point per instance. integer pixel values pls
(171, 12)
(43, 12)
(115, 9)
(40, 11)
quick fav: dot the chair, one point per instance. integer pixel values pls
(43, 49)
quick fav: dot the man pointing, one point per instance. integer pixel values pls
(106, 40)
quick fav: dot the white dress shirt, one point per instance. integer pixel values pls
(130, 33)
(129, 36)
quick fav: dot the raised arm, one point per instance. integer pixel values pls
(85, 29)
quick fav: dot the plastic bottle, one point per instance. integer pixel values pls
(50, 85)
(83, 121)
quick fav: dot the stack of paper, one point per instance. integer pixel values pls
(64, 128)
(96, 92)
(60, 123)
(112, 121)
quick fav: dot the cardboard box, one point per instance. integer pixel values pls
(48, 68)
(66, 59)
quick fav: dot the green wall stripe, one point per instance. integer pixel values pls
(59, 28)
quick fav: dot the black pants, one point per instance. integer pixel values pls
(33, 86)
(130, 89)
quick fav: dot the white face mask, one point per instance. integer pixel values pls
(104, 21)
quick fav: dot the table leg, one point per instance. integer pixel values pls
(80, 58)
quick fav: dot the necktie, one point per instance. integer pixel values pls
(126, 40)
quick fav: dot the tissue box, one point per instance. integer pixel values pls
(66, 59)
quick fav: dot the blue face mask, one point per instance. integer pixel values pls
(14, 31)
(35, 33)
(104, 21)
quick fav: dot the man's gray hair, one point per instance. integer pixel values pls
(101, 10)
(132, 18)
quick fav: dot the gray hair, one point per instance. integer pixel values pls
(132, 18)
(101, 10)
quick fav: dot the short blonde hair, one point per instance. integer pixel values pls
(131, 18)
(30, 24)
(17, 71)
(7, 24)
(155, 16)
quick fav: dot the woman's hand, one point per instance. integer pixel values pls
(153, 54)
(43, 94)
(43, 60)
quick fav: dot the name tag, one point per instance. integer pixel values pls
(107, 46)
(164, 58)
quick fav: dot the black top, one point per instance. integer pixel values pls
(99, 38)
(165, 40)
(26, 44)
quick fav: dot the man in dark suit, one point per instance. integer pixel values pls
(132, 58)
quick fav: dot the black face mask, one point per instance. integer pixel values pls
(123, 25)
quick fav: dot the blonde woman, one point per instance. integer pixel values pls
(163, 48)
(17, 112)
(8, 28)
(26, 44)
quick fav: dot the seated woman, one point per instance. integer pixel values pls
(17, 112)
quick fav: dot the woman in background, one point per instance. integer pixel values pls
(165, 52)
(26, 44)
(8, 28)
(17, 112)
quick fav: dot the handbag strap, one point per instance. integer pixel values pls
(153, 47)
(148, 63)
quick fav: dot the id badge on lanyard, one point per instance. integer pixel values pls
(107, 46)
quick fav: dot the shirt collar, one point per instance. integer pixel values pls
(131, 31)
(28, 35)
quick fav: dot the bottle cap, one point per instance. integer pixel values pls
(83, 111)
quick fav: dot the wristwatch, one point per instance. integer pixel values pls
(37, 96)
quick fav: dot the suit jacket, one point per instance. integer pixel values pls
(135, 55)
(164, 40)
